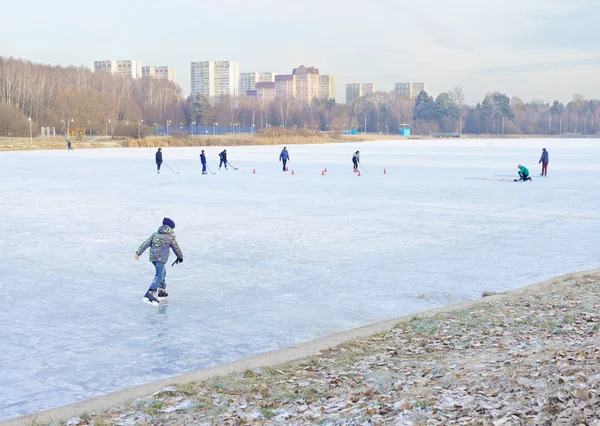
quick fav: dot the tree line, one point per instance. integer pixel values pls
(103, 103)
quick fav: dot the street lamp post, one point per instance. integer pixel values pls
(69, 121)
(386, 130)
(90, 128)
(62, 127)
(215, 128)
(168, 124)
(139, 127)
(30, 132)
(193, 125)
(232, 129)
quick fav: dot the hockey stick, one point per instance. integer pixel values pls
(208, 168)
(170, 169)
(231, 165)
(361, 166)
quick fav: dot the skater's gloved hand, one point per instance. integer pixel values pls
(180, 260)
(137, 257)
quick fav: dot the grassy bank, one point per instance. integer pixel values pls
(24, 144)
(530, 358)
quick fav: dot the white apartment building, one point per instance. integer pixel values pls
(410, 90)
(227, 79)
(129, 68)
(355, 91)
(203, 79)
(215, 78)
(159, 72)
(248, 80)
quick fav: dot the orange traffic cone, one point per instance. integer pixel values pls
(322, 172)
(359, 173)
(253, 171)
(354, 170)
(287, 169)
(292, 171)
(325, 169)
(384, 171)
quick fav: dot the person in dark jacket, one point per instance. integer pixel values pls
(203, 161)
(160, 243)
(69, 146)
(356, 160)
(284, 157)
(223, 158)
(159, 159)
(544, 160)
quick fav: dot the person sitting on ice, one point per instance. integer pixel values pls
(523, 173)
(160, 243)
(356, 160)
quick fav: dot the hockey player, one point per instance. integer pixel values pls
(203, 161)
(356, 160)
(159, 159)
(223, 158)
(160, 243)
(544, 161)
(284, 157)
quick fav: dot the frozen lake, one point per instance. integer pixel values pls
(271, 259)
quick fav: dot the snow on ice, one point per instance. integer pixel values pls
(271, 259)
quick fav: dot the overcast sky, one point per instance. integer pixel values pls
(534, 49)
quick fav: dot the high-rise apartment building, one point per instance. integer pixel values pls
(248, 80)
(131, 69)
(215, 78)
(355, 91)
(285, 86)
(307, 83)
(227, 79)
(266, 92)
(159, 72)
(203, 79)
(326, 87)
(410, 90)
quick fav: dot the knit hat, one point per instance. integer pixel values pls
(169, 223)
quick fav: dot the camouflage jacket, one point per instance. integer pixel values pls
(159, 243)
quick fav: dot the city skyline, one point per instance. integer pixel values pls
(533, 49)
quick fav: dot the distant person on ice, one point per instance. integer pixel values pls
(159, 160)
(356, 160)
(223, 158)
(284, 157)
(203, 161)
(69, 146)
(160, 243)
(544, 161)
(523, 173)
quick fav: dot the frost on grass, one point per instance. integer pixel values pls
(529, 359)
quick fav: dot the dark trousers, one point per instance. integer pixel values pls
(223, 162)
(284, 161)
(203, 167)
(158, 167)
(523, 176)
(544, 169)
(355, 163)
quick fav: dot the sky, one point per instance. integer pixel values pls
(533, 49)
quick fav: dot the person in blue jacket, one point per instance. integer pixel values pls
(544, 160)
(223, 158)
(284, 157)
(203, 161)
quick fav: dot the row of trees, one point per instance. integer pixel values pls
(99, 103)
(80, 99)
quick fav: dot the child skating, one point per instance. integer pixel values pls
(160, 243)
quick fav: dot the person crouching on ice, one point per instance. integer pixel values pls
(523, 173)
(160, 243)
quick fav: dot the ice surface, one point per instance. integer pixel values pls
(271, 259)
